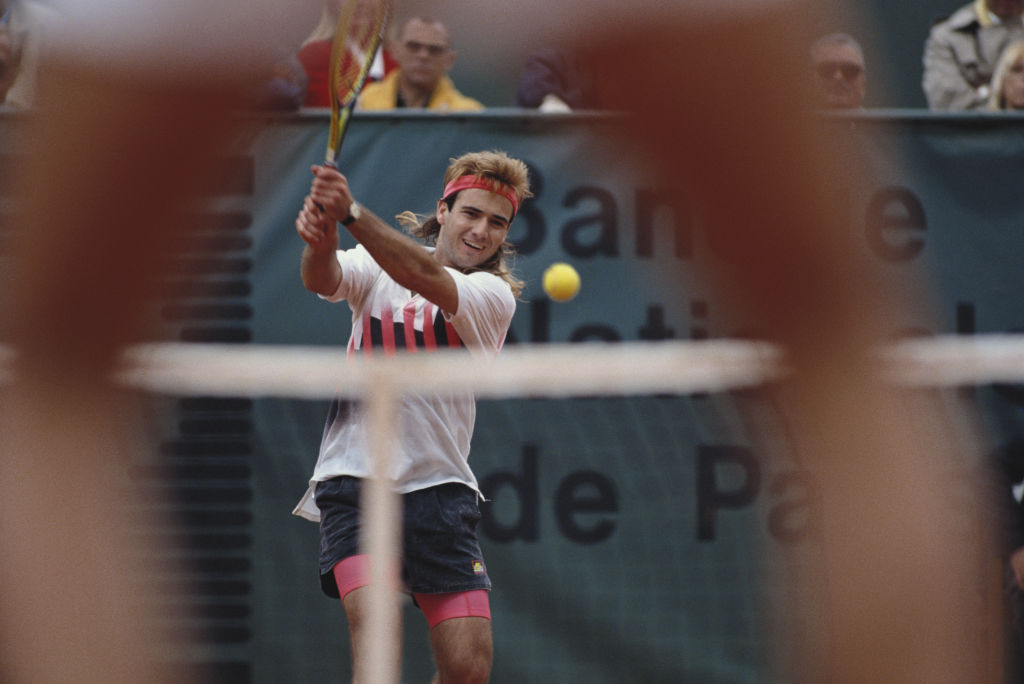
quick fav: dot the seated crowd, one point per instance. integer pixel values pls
(973, 59)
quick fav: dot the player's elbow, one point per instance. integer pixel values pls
(321, 283)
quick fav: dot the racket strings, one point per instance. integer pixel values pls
(361, 47)
(357, 39)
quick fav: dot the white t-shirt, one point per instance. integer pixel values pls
(434, 430)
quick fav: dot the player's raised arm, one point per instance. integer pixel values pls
(321, 271)
(405, 260)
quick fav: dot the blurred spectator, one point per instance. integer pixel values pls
(838, 62)
(1008, 80)
(315, 55)
(962, 50)
(555, 80)
(24, 36)
(285, 89)
(424, 57)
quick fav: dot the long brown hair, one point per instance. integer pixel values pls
(506, 173)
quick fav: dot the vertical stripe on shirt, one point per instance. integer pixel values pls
(387, 330)
(409, 325)
(388, 334)
(367, 346)
(429, 340)
(453, 337)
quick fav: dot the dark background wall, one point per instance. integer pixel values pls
(654, 539)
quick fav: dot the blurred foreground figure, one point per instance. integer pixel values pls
(125, 136)
(765, 184)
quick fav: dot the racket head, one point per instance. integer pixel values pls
(358, 36)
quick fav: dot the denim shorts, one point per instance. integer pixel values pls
(440, 551)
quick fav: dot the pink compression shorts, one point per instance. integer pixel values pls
(354, 572)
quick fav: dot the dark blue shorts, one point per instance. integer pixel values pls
(440, 551)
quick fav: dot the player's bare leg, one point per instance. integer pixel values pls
(357, 608)
(463, 650)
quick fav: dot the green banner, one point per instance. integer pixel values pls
(647, 539)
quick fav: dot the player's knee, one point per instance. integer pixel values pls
(467, 659)
(356, 609)
(474, 667)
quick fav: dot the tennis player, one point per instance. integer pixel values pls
(404, 296)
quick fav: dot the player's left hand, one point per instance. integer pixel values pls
(331, 192)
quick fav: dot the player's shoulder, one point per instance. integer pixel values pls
(485, 310)
(486, 285)
(358, 256)
(489, 279)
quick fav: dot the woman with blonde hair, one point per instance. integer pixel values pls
(1008, 79)
(315, 54)
(328, 20)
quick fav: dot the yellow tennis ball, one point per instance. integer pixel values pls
(561, 282)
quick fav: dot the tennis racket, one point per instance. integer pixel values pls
(357, 38)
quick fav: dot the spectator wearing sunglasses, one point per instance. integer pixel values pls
(962, 50)
(838, 63)
(424, 57)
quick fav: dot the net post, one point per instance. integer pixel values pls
(380, 512)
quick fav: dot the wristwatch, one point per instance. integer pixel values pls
(354, 211)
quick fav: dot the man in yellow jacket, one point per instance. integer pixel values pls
(421, 80)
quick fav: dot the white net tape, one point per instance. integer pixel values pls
(540, 370)
(955, 360)
(553, 370)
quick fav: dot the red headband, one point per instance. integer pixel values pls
(470, 181)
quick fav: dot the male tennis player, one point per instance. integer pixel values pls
(404, 296)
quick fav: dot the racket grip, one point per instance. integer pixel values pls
(331, 164)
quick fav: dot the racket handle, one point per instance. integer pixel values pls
(331, 164)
